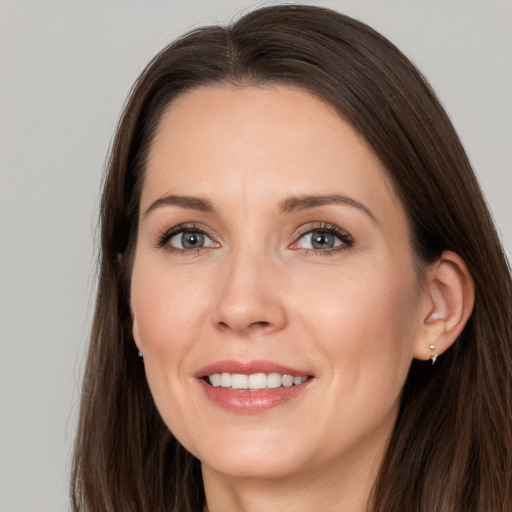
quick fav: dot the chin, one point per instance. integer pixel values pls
(259, 457)
(258, 465)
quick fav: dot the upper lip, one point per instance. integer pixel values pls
(248, 368)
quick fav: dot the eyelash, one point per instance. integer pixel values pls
(163, 239)
(347, 240)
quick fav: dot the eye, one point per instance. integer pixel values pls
(318, 240)
(190, 239)
(325, 238)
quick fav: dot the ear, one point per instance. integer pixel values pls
(449, 303)
(135, 329)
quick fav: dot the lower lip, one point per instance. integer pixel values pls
(247, 401)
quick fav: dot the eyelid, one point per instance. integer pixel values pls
(162, 238)
(347, 240)
(208, 242)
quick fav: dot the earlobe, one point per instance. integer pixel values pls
(135, 330)
(450, 302)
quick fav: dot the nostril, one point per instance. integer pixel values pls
(261, 324)
(254, 326)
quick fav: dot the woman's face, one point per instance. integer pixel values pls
(272, 251)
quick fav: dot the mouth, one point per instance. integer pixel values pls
(254, 381)
(251, 387)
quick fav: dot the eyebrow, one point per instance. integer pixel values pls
(305, 202)
(290, 205)
(186, 202)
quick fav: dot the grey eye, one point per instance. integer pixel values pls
(190, 240)
(319, 240)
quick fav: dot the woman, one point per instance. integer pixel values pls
(303, 303)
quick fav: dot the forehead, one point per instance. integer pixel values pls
(261, 143)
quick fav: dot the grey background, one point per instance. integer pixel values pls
(65, 69)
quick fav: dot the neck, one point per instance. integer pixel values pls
(337, 487)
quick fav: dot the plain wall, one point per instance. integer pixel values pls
(65, 69)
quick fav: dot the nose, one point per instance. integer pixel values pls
(249, 297)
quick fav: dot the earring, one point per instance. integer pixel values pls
(140, 354)
(433, 357)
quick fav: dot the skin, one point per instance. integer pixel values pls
(352, 318)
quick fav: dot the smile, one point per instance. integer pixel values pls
(254, 381)
(252, 386)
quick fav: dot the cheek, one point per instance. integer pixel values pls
(366, 318)
(164, 309)
(164, 318)
(165, 326)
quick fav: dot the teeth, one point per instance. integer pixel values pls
(298, 380)
(225, 380)
(239, 381)
(274, 380)
(287, 381)
(215, 380)
(255, 380)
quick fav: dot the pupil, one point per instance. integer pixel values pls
(322, 240)
(192, 240)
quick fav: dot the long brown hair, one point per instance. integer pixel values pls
(451, 449)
